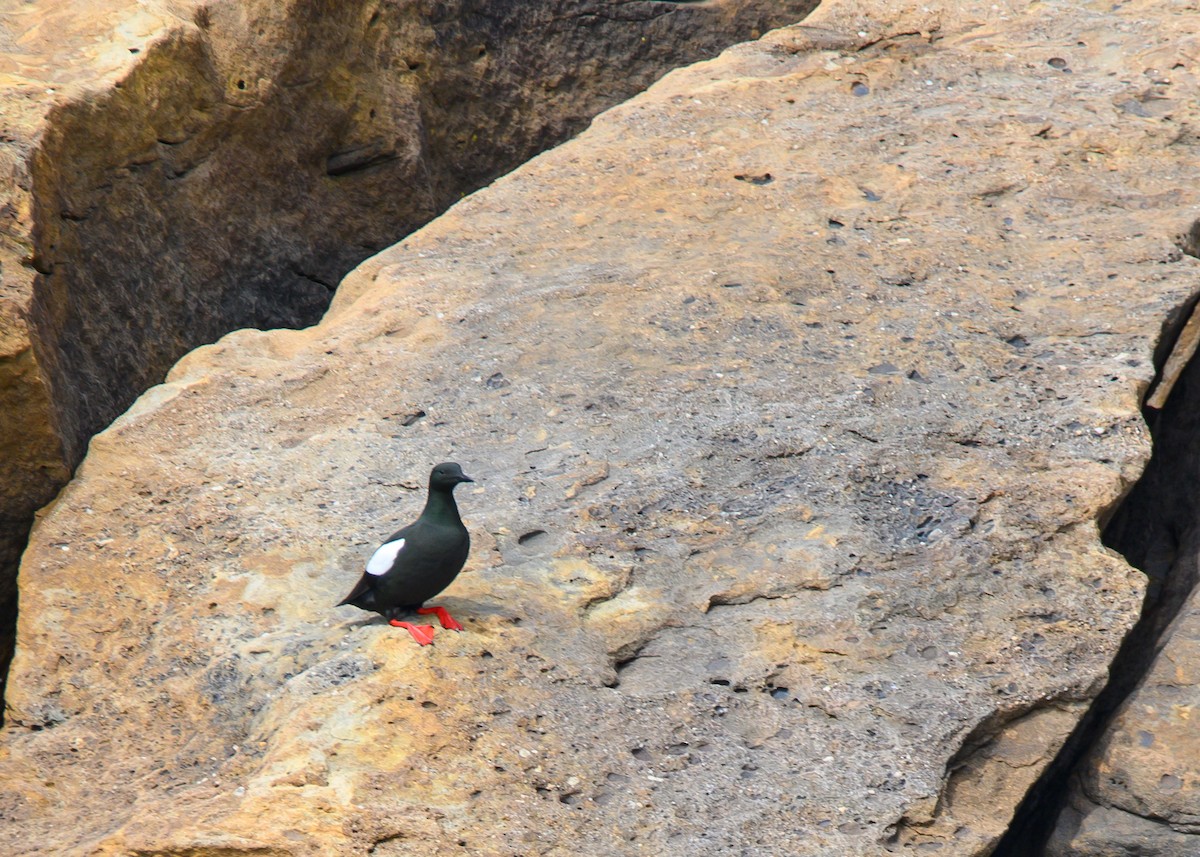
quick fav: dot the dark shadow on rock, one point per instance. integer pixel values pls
(1157, 529)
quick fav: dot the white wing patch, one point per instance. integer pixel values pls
(384, 557)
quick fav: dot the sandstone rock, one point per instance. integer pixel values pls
(174, 170)
(795, 387)
(1136, 792)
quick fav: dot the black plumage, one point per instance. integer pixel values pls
(417, 562)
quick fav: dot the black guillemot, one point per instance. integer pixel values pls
(418, 561)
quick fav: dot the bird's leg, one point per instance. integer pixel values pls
(423, 634)
(444, 617)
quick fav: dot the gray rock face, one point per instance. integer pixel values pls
(796, 388)
(177, 170)
(1135, 792)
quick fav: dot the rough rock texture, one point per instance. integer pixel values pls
(170, 171)
(1136, 792)
(795, 387)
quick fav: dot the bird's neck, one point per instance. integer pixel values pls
(441, 507)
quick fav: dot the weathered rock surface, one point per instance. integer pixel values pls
(170, 171)
(795, 388)
(1136, 792)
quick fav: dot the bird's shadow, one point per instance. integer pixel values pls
(462, 609)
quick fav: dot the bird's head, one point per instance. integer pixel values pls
(446, 475)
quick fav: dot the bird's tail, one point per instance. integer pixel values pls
(361, 595)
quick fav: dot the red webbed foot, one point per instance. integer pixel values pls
(444, 617)
(423, 634)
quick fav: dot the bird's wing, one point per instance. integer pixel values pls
(384, 557)
(379, 564)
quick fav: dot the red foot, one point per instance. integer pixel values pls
(423, 634)
(444, 617)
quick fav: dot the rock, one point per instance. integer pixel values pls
(735, 588)
(1136, 791)
(175, 170)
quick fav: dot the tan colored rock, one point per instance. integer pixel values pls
(794, 411)
(1136, 792)
(170, 171)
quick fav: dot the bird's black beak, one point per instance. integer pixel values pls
(465, 478)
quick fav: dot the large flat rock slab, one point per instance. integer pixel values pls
(795, 389)
(171, 171)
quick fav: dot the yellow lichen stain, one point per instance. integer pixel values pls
(629, 604)
(579, 579)
(1183, 675)
(818, 533)
(267, 564)
(781, 642)
(629, 616)
(227, 591)
(596, 473)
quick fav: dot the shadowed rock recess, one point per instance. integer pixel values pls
(1136, 790)
(1154, 529)
(176, 170)
(795, 387)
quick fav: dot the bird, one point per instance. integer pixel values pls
(417, 562)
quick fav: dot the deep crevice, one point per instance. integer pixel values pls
(1155, 529)
(14, 535)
